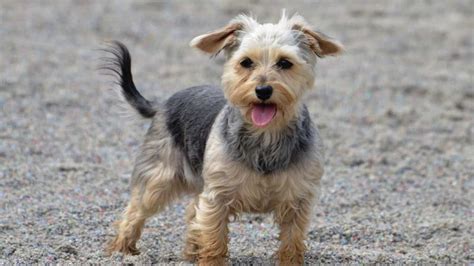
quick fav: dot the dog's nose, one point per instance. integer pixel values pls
(264, 92)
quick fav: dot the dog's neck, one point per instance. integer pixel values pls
(266, 151)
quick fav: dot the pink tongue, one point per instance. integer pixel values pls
(262, 114)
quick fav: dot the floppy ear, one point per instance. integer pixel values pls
(215, 41)
(321, 44)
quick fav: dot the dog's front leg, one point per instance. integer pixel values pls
(293, 218)
(212, 217)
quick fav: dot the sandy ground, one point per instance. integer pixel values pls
(396, 112)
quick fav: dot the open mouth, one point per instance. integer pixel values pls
(263, 113)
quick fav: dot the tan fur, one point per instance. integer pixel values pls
(321, 44)
(129, 228)
(191, 248)
(293, 220)
(215, 41)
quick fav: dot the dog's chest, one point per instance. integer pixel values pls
(261, 193)
(247, 187)
(250, 191)
(256, 194)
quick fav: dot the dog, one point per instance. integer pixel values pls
(248, 147)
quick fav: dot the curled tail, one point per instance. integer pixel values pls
(120, 65)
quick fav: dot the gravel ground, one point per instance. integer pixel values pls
(396, 112)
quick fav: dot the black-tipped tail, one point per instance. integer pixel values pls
(120, 65)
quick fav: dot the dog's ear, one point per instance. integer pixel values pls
(215, 41)
(321, 44)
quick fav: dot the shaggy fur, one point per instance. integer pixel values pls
(205, 142)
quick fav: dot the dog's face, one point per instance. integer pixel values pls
(269, 66)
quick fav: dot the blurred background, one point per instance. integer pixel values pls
(396, 112)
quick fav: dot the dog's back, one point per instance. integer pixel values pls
(190, 114)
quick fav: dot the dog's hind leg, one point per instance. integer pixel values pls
(158, 192)
(129, 229)
(191, 247)
(157, 181)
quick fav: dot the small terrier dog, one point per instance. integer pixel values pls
(248, 147)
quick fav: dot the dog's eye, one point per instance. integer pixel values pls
(246, 63)
(284, 64)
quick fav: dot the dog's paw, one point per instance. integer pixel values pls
(213, 261)
(123, 246)
(290, 258)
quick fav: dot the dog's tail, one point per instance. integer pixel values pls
(119, 64)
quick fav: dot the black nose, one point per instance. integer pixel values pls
(264, 92)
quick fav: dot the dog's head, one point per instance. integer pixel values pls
(269, 66)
